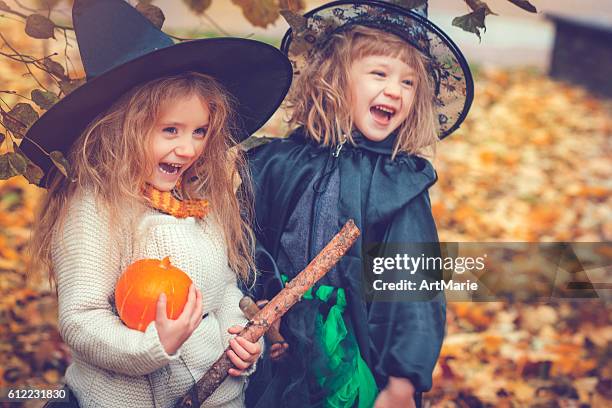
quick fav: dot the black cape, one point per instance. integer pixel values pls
(388, 200)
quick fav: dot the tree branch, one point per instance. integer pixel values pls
(274, 310)
(24, 62)
(214, 24)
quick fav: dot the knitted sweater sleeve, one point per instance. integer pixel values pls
(87, 264)
(229, 314)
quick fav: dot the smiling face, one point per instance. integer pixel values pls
(177, 140)
(382, 91)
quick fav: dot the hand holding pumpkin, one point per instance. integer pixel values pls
(173, 333)
(155, 290)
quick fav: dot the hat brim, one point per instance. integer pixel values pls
(257, 76)
(454, 86)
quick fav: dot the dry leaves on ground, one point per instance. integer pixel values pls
(530, 163)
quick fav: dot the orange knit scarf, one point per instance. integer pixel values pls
(167, 203)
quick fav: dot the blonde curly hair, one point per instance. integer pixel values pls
(319, 100)
(111, 158)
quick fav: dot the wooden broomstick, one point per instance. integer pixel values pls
(274, 310)
(250, 310)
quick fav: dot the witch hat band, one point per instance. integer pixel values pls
(121, 49)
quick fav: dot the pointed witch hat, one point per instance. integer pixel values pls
(121, 49)
(448, 68)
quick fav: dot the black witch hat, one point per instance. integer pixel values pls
(121, 49)
(448, 68)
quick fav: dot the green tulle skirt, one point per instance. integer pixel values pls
(340, 371)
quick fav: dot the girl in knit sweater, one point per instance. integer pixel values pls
(92, 229)
(151, 175)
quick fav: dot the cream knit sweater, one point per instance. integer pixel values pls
(112, 365)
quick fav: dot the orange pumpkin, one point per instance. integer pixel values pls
(139, 287)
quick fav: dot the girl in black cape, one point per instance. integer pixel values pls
(376, 87)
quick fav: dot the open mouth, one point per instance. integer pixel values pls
(170, 168)
(382, 114)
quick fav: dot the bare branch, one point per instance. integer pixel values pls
(178, 38)
(2, 110)
(17, 94)
(16, 13)
(24, 62)
(214, 24)
(26, 7)
(66, 58)
(11, 18)
(38, 146)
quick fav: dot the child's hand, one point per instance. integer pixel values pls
(399, 392)
(173, 333)
(279, 347)
(243, 353)
(277, 350)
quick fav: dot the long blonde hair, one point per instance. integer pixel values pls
(111, 158)
(319, 99)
